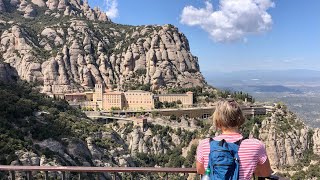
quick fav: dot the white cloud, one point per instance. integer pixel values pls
(232, 20)
(111, 8)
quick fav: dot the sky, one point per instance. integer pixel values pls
(234, 35)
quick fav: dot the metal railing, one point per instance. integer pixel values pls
(64, 170)
(98, 171)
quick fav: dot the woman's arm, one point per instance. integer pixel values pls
(200, 168)
(263, 170)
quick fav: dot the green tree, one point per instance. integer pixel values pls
(173, 117)
(158, 104)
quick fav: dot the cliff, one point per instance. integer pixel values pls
(292, 146)
(67, 46)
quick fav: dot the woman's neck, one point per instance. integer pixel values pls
(230, 131)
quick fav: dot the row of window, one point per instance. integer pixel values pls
(134, 94)
(175, 99)
(138, 102)
(118, 101)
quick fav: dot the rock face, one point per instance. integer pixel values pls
(145, 142)
(120, 149)
(75, 153)
(39, 3)
(316, 141)
(286, 138)
(57, 8)
(73, 54)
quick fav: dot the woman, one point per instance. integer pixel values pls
(228, 118)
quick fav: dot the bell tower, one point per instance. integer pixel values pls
(98, 90)
(98, 95)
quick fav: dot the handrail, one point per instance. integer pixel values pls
(96, 169)
(87, 169)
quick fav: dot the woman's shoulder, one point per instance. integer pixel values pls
(204, 141)
(252, 141)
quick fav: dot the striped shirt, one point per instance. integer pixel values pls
(251, 152)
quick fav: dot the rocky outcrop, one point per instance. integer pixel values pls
(316, 141)
(27, 158)
(75, 153)
(144, 142)
(286, 138)
(57, 9)
(149, 141)
(39, 3)
(29, 12)
(74, 55)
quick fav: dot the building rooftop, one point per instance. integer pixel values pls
(170, 95)
(141, 91)
(113, 92)
(75, 94)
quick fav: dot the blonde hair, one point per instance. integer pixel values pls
(228, 114)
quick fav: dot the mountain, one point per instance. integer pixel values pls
(61, 46)
(67, 46)
(38, 130)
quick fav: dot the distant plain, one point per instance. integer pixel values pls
(299, 89)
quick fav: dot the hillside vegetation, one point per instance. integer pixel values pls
(27, 117)
(38, 130)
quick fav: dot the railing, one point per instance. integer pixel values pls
(63, 170)
(98, 170)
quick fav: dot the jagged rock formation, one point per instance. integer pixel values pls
(316, 141)
(70, 47)
(145, 142)
(54, 8)
(286, 137)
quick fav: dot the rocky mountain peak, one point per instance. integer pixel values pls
(67, 46)
(55, 8)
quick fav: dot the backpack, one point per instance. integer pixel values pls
(224, 160)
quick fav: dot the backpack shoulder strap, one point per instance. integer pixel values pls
(221, 142)
(240, 141)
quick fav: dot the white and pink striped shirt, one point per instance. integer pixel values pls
(251, 152)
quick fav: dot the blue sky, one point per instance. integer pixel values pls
(290, 41)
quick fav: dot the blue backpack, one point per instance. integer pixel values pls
(224, 160)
